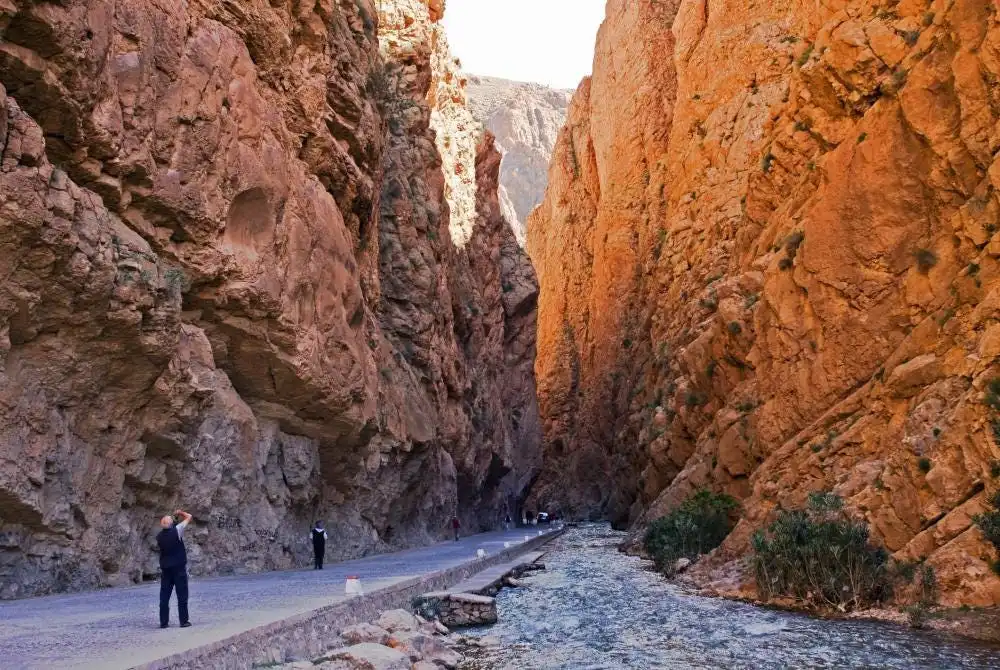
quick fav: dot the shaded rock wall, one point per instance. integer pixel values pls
(768, 260)
(526, 119)
(229, 285)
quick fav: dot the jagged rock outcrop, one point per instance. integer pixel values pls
(525, 118)
(769, 265)
(233, 283)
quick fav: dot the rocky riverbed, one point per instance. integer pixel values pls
(595, 608)
(397, 640)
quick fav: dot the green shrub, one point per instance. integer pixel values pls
(928, 585)
(661, 238)
(926, 259)
(992, 399)
(699, 525)
(694, 399)
(917, 615)
(735, 362)
(989, 522)
(766, 162)
(899, 77)
(924, 464)
(806, 55)
(821, 555)
(906, 571)
(921, 611)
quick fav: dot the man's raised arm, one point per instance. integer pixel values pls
(185, 518)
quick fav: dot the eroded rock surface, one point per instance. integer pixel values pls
(769, 265)
(236, 280)
(525, 118)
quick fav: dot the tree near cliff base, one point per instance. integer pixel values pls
(989, 524)
(699, 525)
(821, 556)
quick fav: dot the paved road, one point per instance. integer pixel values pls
(119, 628)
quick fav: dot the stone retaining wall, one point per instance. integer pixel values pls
(456, 610)
(308, 635)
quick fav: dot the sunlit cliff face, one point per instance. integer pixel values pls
(768, 260)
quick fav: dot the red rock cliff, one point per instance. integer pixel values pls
(230, 284)
(769, 265)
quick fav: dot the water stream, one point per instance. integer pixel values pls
(594, 608)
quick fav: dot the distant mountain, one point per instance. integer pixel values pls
(526, 119)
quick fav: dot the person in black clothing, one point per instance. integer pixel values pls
(173, 567)
(319, 538)
(455, 525)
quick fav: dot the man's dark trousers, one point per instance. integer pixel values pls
(319, 548)
(170, 578)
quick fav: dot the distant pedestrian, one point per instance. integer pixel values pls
(319, 538)
(173, 566)
(506, 522)
(455, 525)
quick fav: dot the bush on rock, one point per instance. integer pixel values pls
(989, 524)
(699, 525)
(822, 556)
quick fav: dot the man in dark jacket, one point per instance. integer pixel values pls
(173, 567)
(455, 525)
(319, 537)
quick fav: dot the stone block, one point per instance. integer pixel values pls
(398, 620)
(369, 656)
(365, 632)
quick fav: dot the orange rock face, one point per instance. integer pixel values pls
(232, 283)
(768, 258)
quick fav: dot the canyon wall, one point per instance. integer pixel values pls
(253, 265)
(525, 118)
(769, 264)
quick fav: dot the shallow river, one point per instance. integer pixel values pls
(596, 608)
